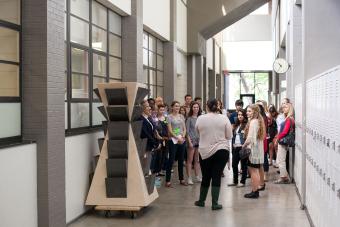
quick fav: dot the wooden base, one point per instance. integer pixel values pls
(119, 208)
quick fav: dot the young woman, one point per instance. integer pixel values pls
(193, 140)
(183, 111)
(272, 131)
(237, 142)
(255, 134)
(285, 127)
(177, 133)
(220, 108)
(162, 136)
(215, 132)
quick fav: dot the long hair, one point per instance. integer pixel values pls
(182, 108)
(261, 133)
(273, 111)
(290, 110)
(191, 111)
(244, 122)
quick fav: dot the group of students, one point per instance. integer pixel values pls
(262, 129)
(171, 136)
(202, 142)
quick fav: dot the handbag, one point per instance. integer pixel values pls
(244, 153)
(289, 139)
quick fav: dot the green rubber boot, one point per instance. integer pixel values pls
(215, 193)
(203, 196)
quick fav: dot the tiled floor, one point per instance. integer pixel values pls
(277, 206)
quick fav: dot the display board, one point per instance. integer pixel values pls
(121, 180)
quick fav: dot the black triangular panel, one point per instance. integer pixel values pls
(116, 167)
(116, 187)
(102, 111)
(118, 113)
(100, 143)
(116, 96)
(118, 130)
(96, 91)
(117, 148)
(141, 94)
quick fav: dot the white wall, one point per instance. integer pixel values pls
(123, 5)
(18, 187)
(181, 25)
(79, 153)
(283, 18)
(248, 55)
(156, 16)
(250, 28)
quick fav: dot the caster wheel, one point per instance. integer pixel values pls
(107, 213)
(133, 215)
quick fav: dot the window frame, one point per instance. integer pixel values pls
(151, 68)
(90, 51)
(254, 72)
(14, 99)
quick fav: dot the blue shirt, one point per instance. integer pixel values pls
(233, 118)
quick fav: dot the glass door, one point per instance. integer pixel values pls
(247, 99)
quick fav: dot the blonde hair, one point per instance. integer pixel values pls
(290, 110)
(261, 133)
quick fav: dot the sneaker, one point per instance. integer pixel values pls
(198, 179)
(252, 195)
(190, 182)
(240, 185)
(232, 184)
(158, 182)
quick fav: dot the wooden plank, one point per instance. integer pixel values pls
(119, 208)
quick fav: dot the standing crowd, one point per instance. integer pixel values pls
(257, 136)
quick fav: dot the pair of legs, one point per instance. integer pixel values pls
(212, 168)
(273, 151)
(193, 157)
(235, 161)
(254, 170)
(281, 161)
(264, 169)
(175, 150)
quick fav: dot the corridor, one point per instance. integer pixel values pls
(278, 206)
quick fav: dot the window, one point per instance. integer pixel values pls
(153, 65)
(253, 83)
(93, 50)
(10, 75)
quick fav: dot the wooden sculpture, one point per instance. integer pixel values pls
(121, 180)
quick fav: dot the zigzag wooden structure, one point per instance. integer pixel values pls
(121, 180)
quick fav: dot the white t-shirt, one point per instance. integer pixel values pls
(215, 132)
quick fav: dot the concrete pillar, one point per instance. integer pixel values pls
(199, 76)
(195, 75)
(132, 43)
(43, 51)
(170, 71)
(212, 83)
(191, 88)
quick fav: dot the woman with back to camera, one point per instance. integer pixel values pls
(193, 141)
(237, 142)
(285, 127)
(214, 131)
(255, 134)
